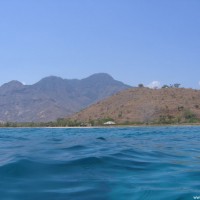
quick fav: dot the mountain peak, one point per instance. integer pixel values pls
(100, 76)
(12, 84)
(51, 78)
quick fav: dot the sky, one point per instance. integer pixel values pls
(136, 41)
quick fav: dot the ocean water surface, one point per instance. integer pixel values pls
(141, 163)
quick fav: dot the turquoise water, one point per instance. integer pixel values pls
(109, 163)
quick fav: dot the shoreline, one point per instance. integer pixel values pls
(99, 127)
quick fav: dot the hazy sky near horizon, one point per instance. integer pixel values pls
(135, 41)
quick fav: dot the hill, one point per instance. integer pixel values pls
(144, 105)
(53, 97)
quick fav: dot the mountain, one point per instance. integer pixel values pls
(144, 105)
(53, 97)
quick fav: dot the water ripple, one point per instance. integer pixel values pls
(154, 163)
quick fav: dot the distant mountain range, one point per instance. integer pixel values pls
(144, 105)
(54, 97)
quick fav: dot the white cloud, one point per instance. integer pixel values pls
(154, 84)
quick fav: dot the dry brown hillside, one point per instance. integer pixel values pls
(144, 105)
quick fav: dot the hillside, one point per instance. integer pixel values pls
(144, 105)
(53, 97)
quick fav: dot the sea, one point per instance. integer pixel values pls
(127, 163)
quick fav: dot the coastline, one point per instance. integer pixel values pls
(101, 127)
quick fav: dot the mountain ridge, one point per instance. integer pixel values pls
(53, 97)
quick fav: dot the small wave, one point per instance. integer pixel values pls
(74, 148)
(111, 164)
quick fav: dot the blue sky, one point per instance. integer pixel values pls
(135, 41)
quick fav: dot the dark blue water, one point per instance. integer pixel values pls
(111, 163)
